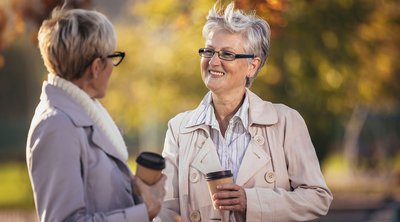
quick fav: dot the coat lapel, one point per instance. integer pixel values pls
(206, 160)
(104, 143)
(254, 159)
(260, 113)
(60, 99)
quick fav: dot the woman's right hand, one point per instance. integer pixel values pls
(153, 195)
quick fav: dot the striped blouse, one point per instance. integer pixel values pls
(232, 147)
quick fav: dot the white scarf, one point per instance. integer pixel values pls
(94, 110)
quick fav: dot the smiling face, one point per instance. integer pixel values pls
(221, 76)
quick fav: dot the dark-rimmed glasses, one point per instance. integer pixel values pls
(223, 54)
(117, 57)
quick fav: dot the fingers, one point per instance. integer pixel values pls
(137, 185)
(227, 186)
(227, 194)
(231, 197)
(161, 181)
(232, 204)
(138, 181)
(152, 195)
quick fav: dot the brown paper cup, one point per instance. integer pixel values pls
(149, 167)
(216, 178)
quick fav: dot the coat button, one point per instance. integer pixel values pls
(259, 140)
(270, 177)
(194, 176)
(195, 216)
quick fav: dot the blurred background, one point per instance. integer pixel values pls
(335, 61)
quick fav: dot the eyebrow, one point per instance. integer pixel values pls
(223, 48)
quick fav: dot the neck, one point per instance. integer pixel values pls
(226, 106)
(84, 84)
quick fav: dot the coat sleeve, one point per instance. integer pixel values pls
(53, 156)
(309, 196)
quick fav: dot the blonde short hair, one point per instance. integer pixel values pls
(255, 31)
(71, 39)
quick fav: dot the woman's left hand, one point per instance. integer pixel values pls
(231, 197)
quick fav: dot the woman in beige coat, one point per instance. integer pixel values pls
(76, 156)
(267, 147)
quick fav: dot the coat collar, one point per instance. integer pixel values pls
(260, 113)
(206, 160)
(61, 100)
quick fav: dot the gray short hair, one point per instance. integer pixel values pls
(255, 31)
(71, 39)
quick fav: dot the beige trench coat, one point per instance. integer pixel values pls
(280, 170)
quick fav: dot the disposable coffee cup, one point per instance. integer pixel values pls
(149, 167)
(216, 178)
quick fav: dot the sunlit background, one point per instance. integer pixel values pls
(336, 61)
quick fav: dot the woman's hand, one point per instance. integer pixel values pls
(152, 195)
(231, 197)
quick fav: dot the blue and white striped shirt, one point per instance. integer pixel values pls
(232, 148)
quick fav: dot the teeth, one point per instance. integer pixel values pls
(216, 73)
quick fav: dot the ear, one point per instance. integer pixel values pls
(96, 67)
(253, 66)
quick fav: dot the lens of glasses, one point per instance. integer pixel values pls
(207, 53)
(116, 60)
(226, 55)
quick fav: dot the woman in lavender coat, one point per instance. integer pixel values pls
(76, 156)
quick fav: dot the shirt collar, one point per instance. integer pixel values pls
(260, 113)
(204, 114)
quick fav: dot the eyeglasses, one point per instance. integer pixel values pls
(222, 54)
(117, 57)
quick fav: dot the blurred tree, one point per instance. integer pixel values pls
(18, 16)
(162, 76)
(335, 61)
(332, 60)
(19, 65)
(328, 60)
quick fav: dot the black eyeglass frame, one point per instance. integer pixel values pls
(117, 54)
(234, 55)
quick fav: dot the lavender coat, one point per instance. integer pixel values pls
(75, 172)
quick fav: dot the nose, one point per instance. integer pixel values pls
(215, 60)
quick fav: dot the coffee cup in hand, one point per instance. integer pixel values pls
(149, 167)
(216, 178)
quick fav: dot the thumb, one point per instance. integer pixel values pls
(139, 182)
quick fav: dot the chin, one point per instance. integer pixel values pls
(100, 96)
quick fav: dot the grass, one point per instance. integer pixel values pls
(15, 187)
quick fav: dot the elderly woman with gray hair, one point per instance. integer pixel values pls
(266, 146)
(76, 156)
